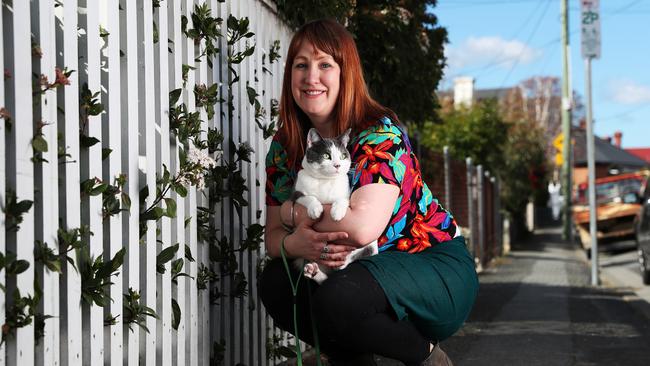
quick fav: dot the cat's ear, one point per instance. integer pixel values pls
(345, 137)
(312, 137)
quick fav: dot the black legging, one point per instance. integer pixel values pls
(352, 314)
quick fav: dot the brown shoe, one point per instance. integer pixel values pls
(437, 357)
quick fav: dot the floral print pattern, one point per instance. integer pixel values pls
(380, 154)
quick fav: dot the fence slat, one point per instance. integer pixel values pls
(149, 258)
(178, 228)
(130, 159)
(24, 168)
(96, 320)
(71, 353)
(202, 200)
(192, 348)
(47, 216)
(165, 308)
(111, 22)
(3, 172)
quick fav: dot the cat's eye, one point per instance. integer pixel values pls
(327, 156)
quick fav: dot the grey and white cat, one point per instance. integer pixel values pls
(323, 179)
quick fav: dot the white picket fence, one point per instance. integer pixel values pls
(110, 46)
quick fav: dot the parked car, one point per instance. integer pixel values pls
(643, 232)
(618, 208)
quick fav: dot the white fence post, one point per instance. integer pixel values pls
(3, 172)
(164, 338)
(22, 180)
(130, 159)
(111, 23)
(71, 352)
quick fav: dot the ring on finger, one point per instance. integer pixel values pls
(326, 249)
(323, 256)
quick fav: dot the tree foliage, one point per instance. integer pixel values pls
(400, 44)
(513, 150)
(478, 132)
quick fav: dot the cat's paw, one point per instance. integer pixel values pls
(314, 210)
(310, 270)
(338, 210)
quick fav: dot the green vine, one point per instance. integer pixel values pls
(39, 144)
(89, 105)
(134, 312)
(96, 274)
(203, 165)
(14, 210)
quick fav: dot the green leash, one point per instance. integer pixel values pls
(294, 290)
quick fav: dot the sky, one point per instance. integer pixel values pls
(502, 42)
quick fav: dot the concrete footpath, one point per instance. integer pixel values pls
(536, 307)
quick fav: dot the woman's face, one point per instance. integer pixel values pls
(315, 81)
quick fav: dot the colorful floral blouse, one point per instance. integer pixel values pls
(380, 154)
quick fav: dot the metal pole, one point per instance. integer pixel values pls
(566, 124)
(481, 213)
(445, 151)
(591, 166)
(470, 206)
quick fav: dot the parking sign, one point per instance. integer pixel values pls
(590, 19)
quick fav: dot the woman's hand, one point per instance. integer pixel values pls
(315, 246)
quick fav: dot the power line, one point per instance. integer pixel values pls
(539, 21)
(494, 61)
(624, 113)
(625, 7)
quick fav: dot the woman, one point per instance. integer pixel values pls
(421, 286)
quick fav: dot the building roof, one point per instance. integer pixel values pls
(605, 152)
(496, 93)
(641, 152)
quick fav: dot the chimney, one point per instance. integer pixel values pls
(618, 136)
(463, 91)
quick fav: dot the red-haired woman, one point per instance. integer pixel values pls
(421, 286)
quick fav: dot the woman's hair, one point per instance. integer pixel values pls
(354, 106)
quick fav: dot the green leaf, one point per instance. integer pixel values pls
(98, 189)
(176, 314)
(153, 214)
(188, 253)
(174, 95)
(126, 201)
(252, 94)
(17, 267)
(165, 256)
(171, 207)
(181, 190)
(87, 141)
(39, 144)
(177, 265)
(118, 259)
(23, 206)
(106, 152)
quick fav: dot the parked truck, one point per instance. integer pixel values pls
(618, 207)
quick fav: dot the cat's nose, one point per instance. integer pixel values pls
(337, 166)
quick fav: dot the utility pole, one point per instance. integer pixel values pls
(566, 125)
(590, 15)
